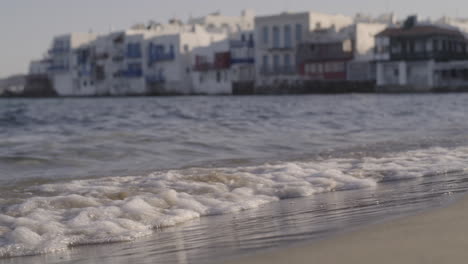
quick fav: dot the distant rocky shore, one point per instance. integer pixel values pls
(26, 86)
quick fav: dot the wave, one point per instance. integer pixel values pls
(116, 209)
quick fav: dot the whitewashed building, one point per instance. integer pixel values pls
(169, 59)
(420, 57)
(39, 67)
(460, 23)
(63, 62)
(171, 56)
(277, 38)
(228, 24)
(339, 55)
(211, 69)
(220, 66)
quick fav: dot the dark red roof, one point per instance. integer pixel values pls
(420, 30)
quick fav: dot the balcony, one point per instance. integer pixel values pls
(205, 66)
(130, 73)
(242, 61)
(238, 44)
(59, 50)
(284, 70)
(160, 57)
(85, 73)
(118, 55)
(57, 68)
(133, 55)
(155, 79)
(278, 48)
(102, 56)
(133, 51)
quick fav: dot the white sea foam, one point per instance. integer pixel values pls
(118, 209)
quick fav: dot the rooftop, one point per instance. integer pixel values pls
(420, 30)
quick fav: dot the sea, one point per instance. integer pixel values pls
(209, 179)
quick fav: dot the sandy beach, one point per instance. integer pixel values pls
(436, 236)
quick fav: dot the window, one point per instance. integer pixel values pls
(396, 48)
(287, 61)
(335, 67)
(287, 36)
(319, 68)
(243, 38)
(265, 33)
(218, 76)
(419, 46)
(276, 37)
(265, 62)
(134, 70)
(429, 46)
(435, 45)
(313, 68)
(276, 62)
(298, 33)
(410, 46)
(186, 48)
(171, 49)
(134, 50)
(347, 45)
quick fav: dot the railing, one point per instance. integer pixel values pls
(280, 48)
(130, 73)
(236, 44)
(284, 70)
(242, 60)
(204, 66)
(82, 73)
(210, 66)
(57, 68)
(102, 56)
(133, 55)
(155, 79)
(118, 55)
(59, 50)
(159, 57)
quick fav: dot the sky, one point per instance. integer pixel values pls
(28, 26)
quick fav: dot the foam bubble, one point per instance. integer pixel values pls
(118, 209)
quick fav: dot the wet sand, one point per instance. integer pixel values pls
(436, 236)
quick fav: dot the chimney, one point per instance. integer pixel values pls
(410, 22)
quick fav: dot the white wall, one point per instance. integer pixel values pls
(230, 24)
(382, 48)
(327, 21)
(265, 49)
(38, 67)
(365, 40)
(177, 72)
(63, 84)
(211, 81)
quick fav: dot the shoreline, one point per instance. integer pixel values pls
(436, 235)
(169, 95)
